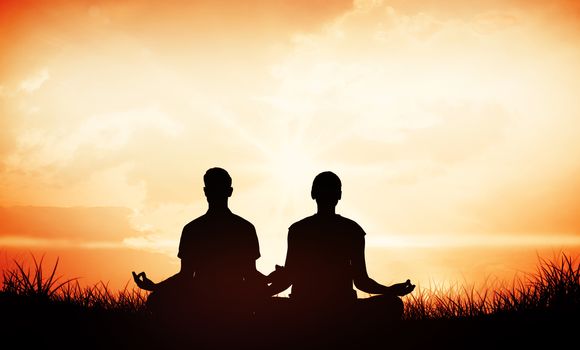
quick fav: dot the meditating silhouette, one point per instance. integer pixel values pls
(218, 287)
(325, 256)
(218, 280)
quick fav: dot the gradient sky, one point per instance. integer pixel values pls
(450, 123)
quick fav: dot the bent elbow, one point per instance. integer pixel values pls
(362, 284)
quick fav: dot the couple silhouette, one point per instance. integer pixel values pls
(218, 282)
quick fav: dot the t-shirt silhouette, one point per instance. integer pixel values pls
(221, 247)
(319, 258)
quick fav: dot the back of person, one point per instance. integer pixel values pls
(219, 247)
(218, 280)
(325, 257)
(322, 250)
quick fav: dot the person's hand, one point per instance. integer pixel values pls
(401, 289)
(276, 274)
(143, 282)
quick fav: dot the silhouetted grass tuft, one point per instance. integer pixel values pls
(554, 289)
(23, 281)
(32, 282)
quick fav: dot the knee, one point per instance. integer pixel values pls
(398, 307)
(395, 306)
(160, 301)
(152, 301)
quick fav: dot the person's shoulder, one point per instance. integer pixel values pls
(346, 220)
(351, 224)
(195, 223)
(242, 222)
(307, 221)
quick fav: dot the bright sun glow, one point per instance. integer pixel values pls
(290, 167)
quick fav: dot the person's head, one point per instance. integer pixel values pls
(218, 184)
(326, 189)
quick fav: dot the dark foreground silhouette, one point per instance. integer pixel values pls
(326, 255)
(537, 313)
(219, 301)
(28, 323)
(218, 284)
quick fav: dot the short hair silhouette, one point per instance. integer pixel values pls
(217, 178)
(326, 184)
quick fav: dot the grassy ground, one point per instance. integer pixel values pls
(539, 310)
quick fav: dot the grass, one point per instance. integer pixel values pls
(33, 282)
(553, 288)
(542, 303)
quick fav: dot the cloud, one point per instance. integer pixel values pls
(77, 223)
(474, 240)
(533, 204)
(492, 22)
(40, 243)
(60, 150)
(384, 80)
(101, 228)
(151, 243)
(441, 111)
(34, 82)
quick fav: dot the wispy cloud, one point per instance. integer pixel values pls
(34, 82)
(47, 243)
(68, 224)
(152, 243)
(473, 240)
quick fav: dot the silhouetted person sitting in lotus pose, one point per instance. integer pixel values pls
(218, 279)
(325, 256)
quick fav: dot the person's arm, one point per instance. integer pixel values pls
(185, 254)
(366, 284)
(279, 280)
(187, 268)
(254, 279)
(253, 276)
(281, 277)
(361, 278)
(145, 283)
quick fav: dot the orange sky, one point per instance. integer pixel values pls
(452, 124)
